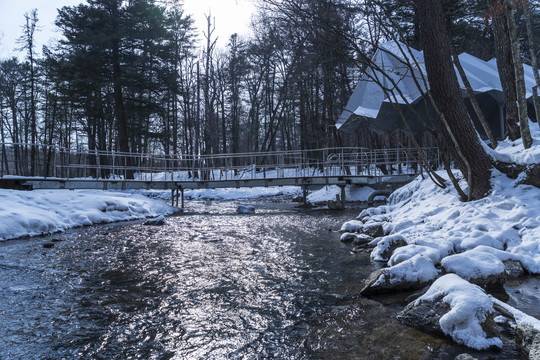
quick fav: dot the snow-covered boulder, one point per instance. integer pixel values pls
(245, 209)
(386, 246)
(158, 221)
(362, 239)
(406, 252)
(352, 226)
(412, 274)
(373, 229)
(347, 237)
(469, 316)
(479, 268)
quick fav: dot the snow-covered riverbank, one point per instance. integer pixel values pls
(431, 237)
(31, 213)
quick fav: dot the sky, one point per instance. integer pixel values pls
(231, 16)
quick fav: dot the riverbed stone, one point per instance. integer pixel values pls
(412, 274)
(465, 357)
(528, 339)
(385, 248)
(352, 226)
(347, 237)
(480, 268)
(158, 221)
(374, 230)
(362, 240)
(513, 269)
(425, 316)
(245, 209)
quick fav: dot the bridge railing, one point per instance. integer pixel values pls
(46, 161)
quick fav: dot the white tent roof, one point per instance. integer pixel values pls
(390, 62)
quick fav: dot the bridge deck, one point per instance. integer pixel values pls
(309, 183)
(47, 167)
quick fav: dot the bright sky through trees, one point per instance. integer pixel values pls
(230, 15)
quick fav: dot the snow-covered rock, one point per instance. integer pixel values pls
(476, 267)
(469, 319)
(245, 209)
(158, 221)
(408, 251)
(411, 274)
(38, 212)
(386, 246)
(352, 226)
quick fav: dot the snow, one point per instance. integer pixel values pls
(352, 226)
(352, 193)
(470, 240)
(520, 317)
(469, 308)
(30, 213)
(416, 269)
(38, 212)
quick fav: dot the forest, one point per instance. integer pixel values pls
(137, 76)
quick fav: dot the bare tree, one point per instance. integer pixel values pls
(462, 139)
(519, 76)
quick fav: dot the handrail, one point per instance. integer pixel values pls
(18, 159)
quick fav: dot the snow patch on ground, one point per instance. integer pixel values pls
(30, 213)
(352, 193)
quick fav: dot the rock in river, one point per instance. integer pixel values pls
(245, 209)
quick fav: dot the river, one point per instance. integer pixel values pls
(211, 284)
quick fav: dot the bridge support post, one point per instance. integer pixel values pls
(343, 197)
(182, 191)
(304, 195)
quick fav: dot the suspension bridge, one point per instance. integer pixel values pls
(37, 166)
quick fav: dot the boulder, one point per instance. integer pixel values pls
(406, 252)
(528, 338)
(362, 239)
(352, 226)
(424, 316)
(386, 246)
(465, 357)
(158, 221)
(347, 237)
(245, 209)
(480, 268)
(456, 308)
(513, 269)
(373, 229)
(412, 274)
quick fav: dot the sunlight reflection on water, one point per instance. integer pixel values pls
(211, 284)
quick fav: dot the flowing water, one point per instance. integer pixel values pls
(211, 284)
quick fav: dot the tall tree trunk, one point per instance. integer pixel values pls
(505, 66)
(474, 102)
(534, 60)
(520, 78)
(459, 132)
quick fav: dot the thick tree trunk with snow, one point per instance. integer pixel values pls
(505, 65)
(520, 78)
(460, 135)
(534, 62)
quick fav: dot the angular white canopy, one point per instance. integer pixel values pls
(399, 70)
